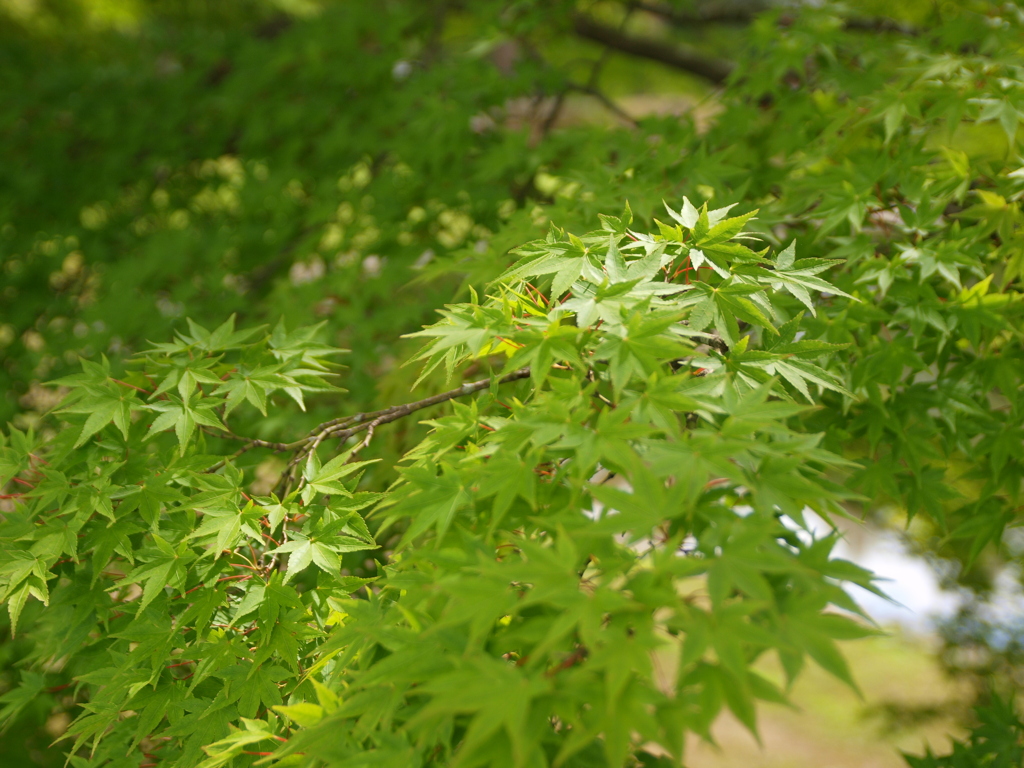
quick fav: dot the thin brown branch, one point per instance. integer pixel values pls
(250, 443)
(370, 428)
(397, 412)
(346, 427)
(346, 421)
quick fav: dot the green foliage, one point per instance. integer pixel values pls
(542, 550)
(996, 740)
(476, 602)
(160, 182)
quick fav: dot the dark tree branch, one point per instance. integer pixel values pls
(707, 15)
(881, 25)
(710, 68)
(744, 15)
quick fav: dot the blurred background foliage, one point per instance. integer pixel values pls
(361, 163)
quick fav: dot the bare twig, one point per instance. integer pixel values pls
(366, 440)
(250, 443)
(610, 105)
(553, 115)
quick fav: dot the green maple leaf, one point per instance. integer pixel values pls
(784, 361)
(1002, 110)
(185, 373)
(300, 554)
(300, 348)
(798, 277)
(622, 287)
(97, 395)
(508, 477)
(225, 337)
(707, 233)
(497, 696)
(224, 751)
(253, 599)
(253, 386)
(641, 345)
(14, 701)
(224, 527)
(327, 478)
(323, 549)
(721, 306)
(567, 262)
(431, 499)
(184, 415)
(164, 566)
(115, 407)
